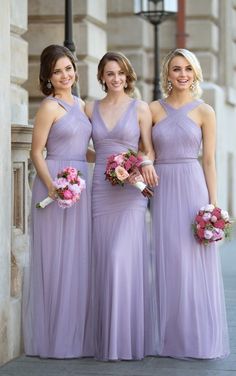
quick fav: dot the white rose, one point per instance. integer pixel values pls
(224, 215)
(209, 208)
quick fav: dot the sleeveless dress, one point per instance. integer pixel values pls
(119, 246)
(190, 300)
(57, 301)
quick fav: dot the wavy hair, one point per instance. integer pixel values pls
(124, 64)
(48, 59)
(193, 61)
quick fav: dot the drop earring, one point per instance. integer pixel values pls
(49, 84)
(169, 85)
(193, 85)
(104, 85)
(126, 85)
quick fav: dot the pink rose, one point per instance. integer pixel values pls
(68, 195)
(220, 224)
(200, 233)
(121, 173)
(217, 213)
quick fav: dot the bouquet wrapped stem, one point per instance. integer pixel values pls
(42, 204)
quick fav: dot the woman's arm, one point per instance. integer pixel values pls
(208, 156)
(90, 155)
(43, 122)
(145, 123)
(88, 109)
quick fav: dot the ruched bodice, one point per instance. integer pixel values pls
(119, 247)
(124, 135)
(177, 137)
(74, 125)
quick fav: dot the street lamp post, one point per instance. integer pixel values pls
(68, 42)
(156, 11)
(69, 26)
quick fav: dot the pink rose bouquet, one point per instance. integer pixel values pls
(211, 224)
(69, 186)
(120, 166)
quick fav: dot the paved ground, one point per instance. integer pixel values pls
(25, 366)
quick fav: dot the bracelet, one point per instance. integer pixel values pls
(146, 162)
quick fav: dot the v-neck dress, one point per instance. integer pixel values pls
(119, 246)
(190, 299)
(57, 301)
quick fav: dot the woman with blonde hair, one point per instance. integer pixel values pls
(190, 300)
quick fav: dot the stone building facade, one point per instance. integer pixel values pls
(26, 27)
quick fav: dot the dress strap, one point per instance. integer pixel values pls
(190, 106)
(62, 103)
(168, 109)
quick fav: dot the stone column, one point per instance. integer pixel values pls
(211, 30)
(90, 18)
(21, 139)
(5, 179)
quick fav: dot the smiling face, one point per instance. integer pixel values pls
(114, 76)
(63, 74)
(180, 73)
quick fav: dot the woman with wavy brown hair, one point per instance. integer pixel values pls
(120, 252)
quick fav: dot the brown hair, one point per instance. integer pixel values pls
(48, 59)
(125, 65)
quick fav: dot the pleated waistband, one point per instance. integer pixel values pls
(175, 161)
(64, 158)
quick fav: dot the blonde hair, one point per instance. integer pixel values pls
(125, 65)
(193, 61)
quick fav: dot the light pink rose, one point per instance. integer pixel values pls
(213, 218)
(119, 159)
(208, 234)
(121, 173)
(74, 188)
(60, 183)
(218, 234)
(206, 216)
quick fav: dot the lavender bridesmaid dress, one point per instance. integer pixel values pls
(191, 309)
(56, 305)
(119, 247)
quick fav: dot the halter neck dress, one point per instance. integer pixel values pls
(57, 294)
(191, 314)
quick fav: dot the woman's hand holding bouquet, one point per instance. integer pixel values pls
(67, 188)
(125, 167)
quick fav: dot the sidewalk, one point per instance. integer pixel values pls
(25, 366)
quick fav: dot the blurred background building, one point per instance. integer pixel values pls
(207, 27)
